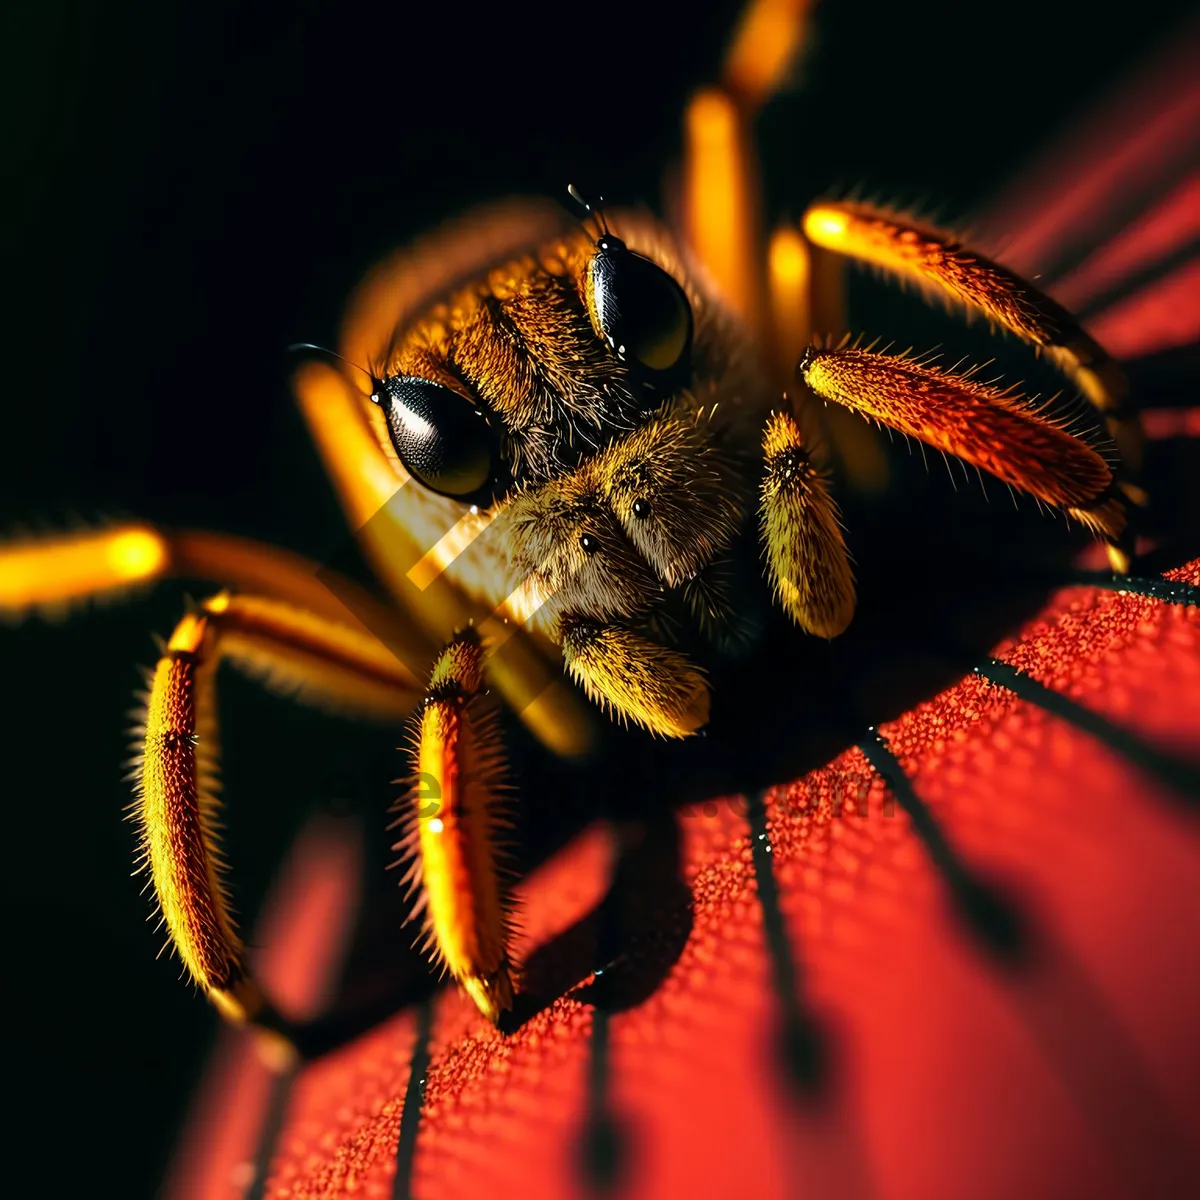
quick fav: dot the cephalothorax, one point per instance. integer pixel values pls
(566, 438)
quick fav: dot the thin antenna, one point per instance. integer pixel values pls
(595, 211)
(376, 384)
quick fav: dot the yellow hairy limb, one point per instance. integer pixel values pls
(806, 554)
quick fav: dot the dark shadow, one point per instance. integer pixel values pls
(1119, 218)
(802, 1051)
(268, 1138)
(414, 1100)
(1137, 280)
(628, 942)
(1179, 777)
(383, 971)
(991, 917)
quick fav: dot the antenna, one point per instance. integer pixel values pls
(301, 347)
(595, 211)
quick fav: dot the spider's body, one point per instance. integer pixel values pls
(578, 440)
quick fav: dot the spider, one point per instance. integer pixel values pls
(567, 437)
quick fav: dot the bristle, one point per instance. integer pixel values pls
(456, 811)
(802, 538)
(636, 679)
(939, 263)
(996, 430)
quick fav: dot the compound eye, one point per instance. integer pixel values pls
(440, 436)
(643, 313)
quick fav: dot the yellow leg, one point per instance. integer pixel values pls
(806, 555)
(314, 659)
(454, 817)
(49, 575)
(768, 40)
(790, 282)
(720, 203)
(720, 192)
(634, 678)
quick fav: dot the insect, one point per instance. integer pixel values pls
(566, 437)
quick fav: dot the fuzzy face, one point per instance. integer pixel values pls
(615, 491)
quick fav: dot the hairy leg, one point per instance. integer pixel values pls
(454, 817)
(806, 555)
(937, 263)
(312, 658)
(996, 430)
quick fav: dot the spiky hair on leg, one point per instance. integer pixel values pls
(997, 430)
(453, 817)
(807, 561)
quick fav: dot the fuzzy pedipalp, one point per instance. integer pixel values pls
(806, 554)
(634, 678)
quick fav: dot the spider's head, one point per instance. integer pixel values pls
(598, 407)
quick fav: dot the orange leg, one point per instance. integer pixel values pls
(937, 263)
(997, 431)
(455, 822)
(312, 658)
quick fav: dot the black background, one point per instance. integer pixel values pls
(192, 187)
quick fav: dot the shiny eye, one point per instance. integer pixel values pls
(643, 313)
(440, 436)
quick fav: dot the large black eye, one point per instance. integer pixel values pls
(643, 312)
(440, 436)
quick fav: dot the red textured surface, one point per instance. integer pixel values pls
(1078, 1076)
(303, 931)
